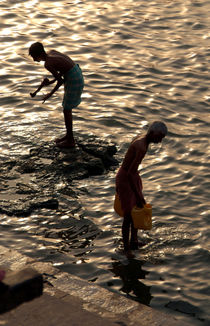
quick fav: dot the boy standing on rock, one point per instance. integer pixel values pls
(65, 71)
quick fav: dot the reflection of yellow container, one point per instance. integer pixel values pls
(142, 217)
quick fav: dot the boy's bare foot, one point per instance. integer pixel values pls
(129, 254)
(58, 140)
(135, 245)
(66, 144)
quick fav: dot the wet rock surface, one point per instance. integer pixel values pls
(42, 186)
(186, 308)
(37, 180)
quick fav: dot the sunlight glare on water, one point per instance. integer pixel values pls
(142, 61)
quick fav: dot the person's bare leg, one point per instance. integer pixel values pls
(68, 140)
(125, 235)
(134, 238)
(135, 244)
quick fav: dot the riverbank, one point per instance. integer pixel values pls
(69, 300)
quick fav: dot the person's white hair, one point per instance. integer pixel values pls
(158, 127)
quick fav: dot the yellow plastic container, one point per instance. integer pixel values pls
(117, 206)
(142, 217)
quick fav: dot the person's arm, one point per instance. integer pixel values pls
(45, 82)
(52, 81)
(138, 156)
(58, 78)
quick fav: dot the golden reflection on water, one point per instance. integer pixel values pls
(142, 61)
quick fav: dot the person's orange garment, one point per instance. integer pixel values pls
(124, 190)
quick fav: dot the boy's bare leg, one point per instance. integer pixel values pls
(125, 235)
(134, 243)
(68, 140)
(134, 238)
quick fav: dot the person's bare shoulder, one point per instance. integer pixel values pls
(58, 55)
(54, 52)
(139, 144)
(51, 62)
(58, 61)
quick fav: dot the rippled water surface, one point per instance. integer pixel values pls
(142, 61)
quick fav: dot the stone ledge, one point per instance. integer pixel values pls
(93, 298)
(19, 287)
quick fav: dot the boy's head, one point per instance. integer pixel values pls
(37, 51)
(157, 131)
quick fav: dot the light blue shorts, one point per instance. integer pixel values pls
(73, 87)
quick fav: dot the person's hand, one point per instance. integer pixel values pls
(46, 97)
(46, 82)
(33, 94)
(140, 202)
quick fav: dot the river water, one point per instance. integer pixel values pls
(142, 61)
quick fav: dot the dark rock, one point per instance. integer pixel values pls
(184, 307)
(68, 191)
(98, 148)
(25, 189)
(95, 166)
(26, 206)
(40, 179)
(28, 166)
(45, 203)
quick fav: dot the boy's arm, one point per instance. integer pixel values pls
(52, 81)
(138, 156)
(45, 82)
(140, 201)
(58, 78)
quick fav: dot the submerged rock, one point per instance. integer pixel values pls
(37, 180)
(184, 307)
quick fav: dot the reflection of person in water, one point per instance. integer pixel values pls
(129, 184)
(130, 275)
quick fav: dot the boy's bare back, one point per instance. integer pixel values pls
(59, 62)
(135, 154)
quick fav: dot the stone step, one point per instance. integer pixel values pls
(19, 287)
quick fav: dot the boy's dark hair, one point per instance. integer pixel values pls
(36, 49)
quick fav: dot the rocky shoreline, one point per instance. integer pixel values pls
(37, 180)
(45, 179)
(45, 182)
